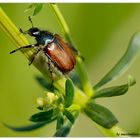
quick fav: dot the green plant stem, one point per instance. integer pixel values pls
(61, 22)
(13, 33)
(80, 66)
(19, 40)
(84, 78)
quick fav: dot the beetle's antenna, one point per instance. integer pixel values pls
(30, 19)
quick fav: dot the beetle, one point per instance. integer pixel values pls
(60, 53)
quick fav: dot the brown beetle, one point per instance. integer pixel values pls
(58, 51)
(60, 54)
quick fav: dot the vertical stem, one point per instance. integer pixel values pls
(84, 79)
(81, 69)
(61, 22)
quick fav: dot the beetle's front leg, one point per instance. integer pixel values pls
(24, 47)
(51, 73)
(33, 58)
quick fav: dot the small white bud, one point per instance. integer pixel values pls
(51, 97)
(41, 102)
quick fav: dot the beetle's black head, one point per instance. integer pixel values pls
(34, 31)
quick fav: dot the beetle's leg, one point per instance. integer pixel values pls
(28, 46)
(49, 66)
(34, 57)
(51, 72)
(76, 52)
(23, 32)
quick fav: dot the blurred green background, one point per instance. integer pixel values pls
(102, 33)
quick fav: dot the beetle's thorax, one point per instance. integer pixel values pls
(44, 37)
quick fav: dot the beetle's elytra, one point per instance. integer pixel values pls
(54, 47)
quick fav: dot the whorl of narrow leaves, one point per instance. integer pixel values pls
(100, 115)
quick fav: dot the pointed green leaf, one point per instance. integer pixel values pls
(28, 127)
(124, 63)
(100, 115)
(65, 129)
(42, 116)
(69, 115)
(112, 91)
(69, 90)
(37, 9)
(116, 90)
(30, 7)
(60, 121)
